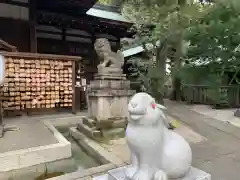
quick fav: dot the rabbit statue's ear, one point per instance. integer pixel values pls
(164, 117)
(161, 106)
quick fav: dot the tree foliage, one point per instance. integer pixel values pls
(214, 50)
(215, 40)
(160, 24)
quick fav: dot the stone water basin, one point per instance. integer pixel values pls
(80, 159)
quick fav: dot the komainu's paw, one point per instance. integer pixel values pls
(130, 171)
(142, 175)
(160, 175)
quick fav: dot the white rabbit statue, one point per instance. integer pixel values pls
(157, 153)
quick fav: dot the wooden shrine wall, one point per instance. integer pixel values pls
(38, 81)
(16, 33)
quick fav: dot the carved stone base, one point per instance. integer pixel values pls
(237, 113)
(118, 174)
(102, 129)
(109, 76)
(109, 70)
(107, 98)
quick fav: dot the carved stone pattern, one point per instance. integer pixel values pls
(115, 109)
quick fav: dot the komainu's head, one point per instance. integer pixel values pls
(143, 110)
(101, 46)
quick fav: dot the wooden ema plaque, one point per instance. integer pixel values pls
(37, 84)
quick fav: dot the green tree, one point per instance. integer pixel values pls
(214, 49)
(161, 23)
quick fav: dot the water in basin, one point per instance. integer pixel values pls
(81, 158)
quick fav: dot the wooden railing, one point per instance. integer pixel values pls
(203, 94)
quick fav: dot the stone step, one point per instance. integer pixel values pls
(104, 124)
(110, 93)
(109, 77)
(120, 124)
(118, 174)
(51, 117)
(89, 122)
(91, 133)
(109, 124)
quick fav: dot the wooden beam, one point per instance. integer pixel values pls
(87, 23)
(16, 3)
(70, 34)
(7, 47)
(34, 56)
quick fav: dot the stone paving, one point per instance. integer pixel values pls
(224, 115)
(215, 144)
(31, 132)
(26, 134)
(220, 154)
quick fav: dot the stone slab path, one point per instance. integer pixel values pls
(31, 132)
(26, 134)
(224, 115)
(219, 154)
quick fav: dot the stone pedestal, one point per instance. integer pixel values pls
(108, 97)
(237, 113)
(118, 174)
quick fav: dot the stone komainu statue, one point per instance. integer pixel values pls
(108, 58)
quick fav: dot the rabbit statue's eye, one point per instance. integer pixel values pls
(154, 105)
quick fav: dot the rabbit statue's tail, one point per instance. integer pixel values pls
(160, 175)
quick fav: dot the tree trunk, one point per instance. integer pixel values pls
(161, 56)
(176, 92)
(176, 81)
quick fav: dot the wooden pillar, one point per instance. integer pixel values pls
(118, 44)
(33, 23)
(64, 43)
(74, 103)
(63, 34)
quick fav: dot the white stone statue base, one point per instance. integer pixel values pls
(118, 174)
